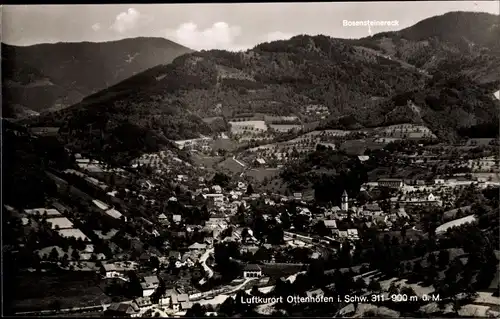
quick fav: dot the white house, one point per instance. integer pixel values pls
(149, 285)
(117, 269)
(197, 246)
(165, 299)
(177, 299)
(177, 218)
(352, 234)
(330, 224)
(391, 183)
(252, 271)
(217, 189)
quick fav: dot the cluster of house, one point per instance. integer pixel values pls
(59, 223)
(316, 111)
(158, 161)
(411, 193)
(202, 143)
(109, 211)
(171, 299)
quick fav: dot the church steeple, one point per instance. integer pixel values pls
(345, 201)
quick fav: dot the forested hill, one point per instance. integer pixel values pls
(54, 76)
(458, 42)
(351, 78)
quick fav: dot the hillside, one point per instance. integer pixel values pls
(24, 161)
(464, 42)
(276, 78)
(53, 76)
(451, 106)
(282, 77)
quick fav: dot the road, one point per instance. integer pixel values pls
(203, 260)
(66, 310)
(219, 299)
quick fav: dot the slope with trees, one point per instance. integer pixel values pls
(46, 76)
(281, 77)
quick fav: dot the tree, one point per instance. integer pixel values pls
(374, 286)
(75, 254)
(360, 284)
(250, 190)
(55, 305)
(228, 307)
(321, 229)
(431, 259)
(417, 268)
(154, 262)
(316, 272)
(393, 289)
(275, 236)
(196, 311)
(443, 258)
(221, 179)
(255, 291)
(54, 254)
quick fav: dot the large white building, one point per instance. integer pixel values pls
(345, 201)
(252, 271)
(149, 285)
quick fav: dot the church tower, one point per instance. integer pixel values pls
(345, 201)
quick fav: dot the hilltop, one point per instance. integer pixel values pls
(44, 77)
(464, 42)
(275, 78)
(452, 106)
(282, 77)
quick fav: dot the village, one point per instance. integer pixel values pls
(163, 234)
(160, 162)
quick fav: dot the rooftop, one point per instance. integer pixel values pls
(252, 267)
(390, 180)
(119, 266)
(100, 204)
(330, 223)
(197, 246)
(150, 282)
(114, 213)
(72, 232)
(61, 222)
(42, 211)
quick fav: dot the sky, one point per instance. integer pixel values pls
(215, 26)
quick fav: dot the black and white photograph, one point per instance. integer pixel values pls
(280, 159)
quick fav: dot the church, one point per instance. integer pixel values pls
(345, 202)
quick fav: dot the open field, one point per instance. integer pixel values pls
(225, 144)
(285, 127)
(358, 147)
(69, 289)
(405, 130)
(492, 177)
(93, 314)
(209, 120)
(454, 223)
(205, 161)
(238, 127)
(479, 141)
(261, 173)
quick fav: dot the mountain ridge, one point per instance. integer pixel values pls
(70, 71)
(280, 77)
(447, 42)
